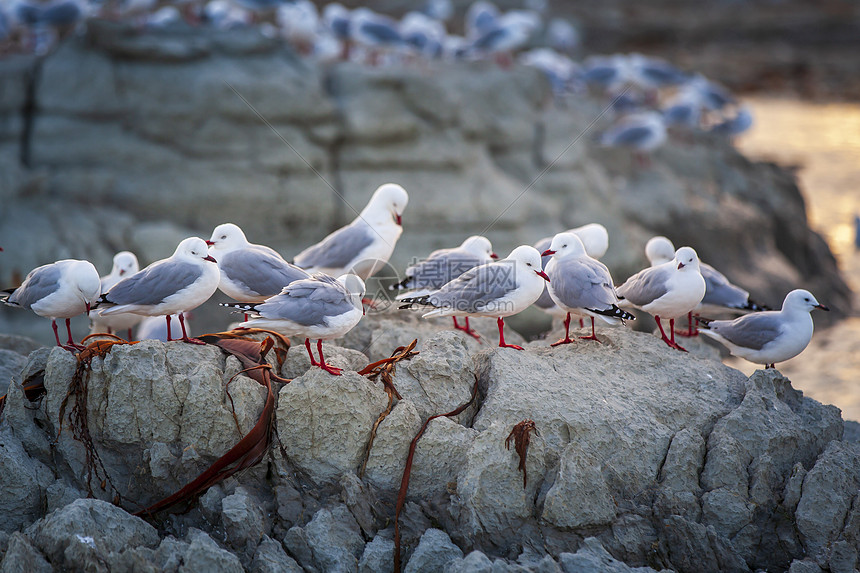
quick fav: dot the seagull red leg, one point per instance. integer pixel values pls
(566, 339)
(593, 335)
(581, 324)
(691, 329)
(311, 354)
(502, 344)
(129, 335)
(674, 344)
(467, 329)
(56, 332)
(185, 334)
(333, 370)
(169, 338)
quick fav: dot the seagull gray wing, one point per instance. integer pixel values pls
(719, 291)
(476, 288)
(336, 250)
(751, 331)
(440, 269)
(580, 283)
(155, 283)
(308, 301)
(645, 286)
(629, 135)
(40, 283)
(259, 271)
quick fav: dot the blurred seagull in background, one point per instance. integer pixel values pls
(124, 265)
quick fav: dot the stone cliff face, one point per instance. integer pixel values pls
(642, 458)
(126, 141)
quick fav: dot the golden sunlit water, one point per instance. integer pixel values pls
(823, 142)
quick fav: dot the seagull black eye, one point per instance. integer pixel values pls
(528, 264)
(806, 299)
(223, 236)
(563, 246)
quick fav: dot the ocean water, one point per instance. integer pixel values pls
(822, 142)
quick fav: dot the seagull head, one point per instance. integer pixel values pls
(528, 257)
(227, 237)
(565, 245)
(193, 248)
(479, 246)
(659, 250)
(124, 264)
(389, 198)
(686, 258)
(355, 286)
(86, 279)
(801, 300)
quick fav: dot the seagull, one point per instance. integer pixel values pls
(741, 121)
(179, 283)
(500, 288)
(771, 336)
(481, 17)
(594, 237)
(669, 290)
(643, 132)
(512, 31)
(443, 266)
(62, 289)
(720, 293)
(319, 307)
(124, 264)
(580, 285)
(249, 272)
(364, 246)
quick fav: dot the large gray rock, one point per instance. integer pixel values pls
(335, 539)
(387, 457)
(22, 557)
(378, 556)
(23, 482)
(271, 558)
(593, 558)
(434, 552)
(243, 519)
(324, 421)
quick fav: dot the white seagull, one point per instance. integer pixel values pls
(720, 293)
(249, 272)
(62, 289)
(581, 285)
(319, 307)
(444, 265)
(124, 265)
(179, 283)
(771, 336)
(364, 246)
(499, 289)
(669, 290)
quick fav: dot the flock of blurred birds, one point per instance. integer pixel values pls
(647, 95)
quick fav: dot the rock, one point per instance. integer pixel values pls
(203, 554)
(805, 566)
(289, 502)
(60, 494)
(843, 557)
(89, 529)
(695, 547)
(324, 421)
(23, 482)
(593, 558)
(434, 552)
(360, 501)
(828, 491)
(378, 556)
(474, 562)
(298, 363)
(22, 557)
(388, 454)
(271, 558)
(296, 542)
(11, 364)
(580, 496)
(210, 503)
(242, 519)
(335, 539)
(438, 458)
(851, 433)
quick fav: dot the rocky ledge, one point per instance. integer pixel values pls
(641, 458)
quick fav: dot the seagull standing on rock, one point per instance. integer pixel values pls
(771, 336)
(319, 307)
(498, 289)
(249, 272)
(581, 285)
(443, 266)
(364, 246)
(179, 283)
(62, 289)
(124, 265)
(669, 290)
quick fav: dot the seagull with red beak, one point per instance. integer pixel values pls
(668, 291)
(444, 265)
(62, 289)
(124, 265)
(498, 289)
(179, 283)
(364, 246)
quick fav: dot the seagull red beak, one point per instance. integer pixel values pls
(398, 219)
(822, 307)
(88, 308)
(547, 253)
(542, 275)
(680, 266)
(121, 272)
(210, 243)
(209, 258)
